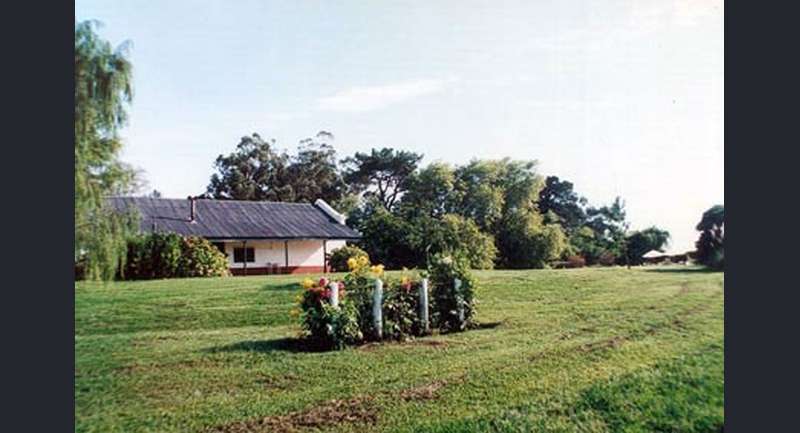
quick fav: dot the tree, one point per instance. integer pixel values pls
(314, 172)
(640, 242)
(103, 91)
(524, 241)
(385, 236)
(381, 173)
(452, 235)
(558, 197)
(428, 192)
(254, 171)
(711, 244)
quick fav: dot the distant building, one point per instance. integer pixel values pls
(257, 237)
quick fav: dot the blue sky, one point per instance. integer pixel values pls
(619, 97)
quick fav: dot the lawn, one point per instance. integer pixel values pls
(580, 350)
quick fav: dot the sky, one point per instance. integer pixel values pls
(622, 98)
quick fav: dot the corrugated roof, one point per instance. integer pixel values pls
(234, 219)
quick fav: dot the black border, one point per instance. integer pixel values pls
(37, 215)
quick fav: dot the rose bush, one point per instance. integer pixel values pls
(326, 326)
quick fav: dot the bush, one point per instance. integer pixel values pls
(338, 258)
(606, 258)
(575, 261)
(326, 326)
(401, 318)
(154, 255)
(451, 309)
(200, 258)
(168, 255)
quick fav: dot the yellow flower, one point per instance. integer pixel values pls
(308, 283)
(405, 280)
(352, 263)
(295, 313)
(377, 269)
(363, 261)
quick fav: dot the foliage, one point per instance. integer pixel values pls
(558, 197)
(710, 246)
(428, 192)
(643, 241)
(452, 234)
(526, 242)
(256, 170)
(381, 174)
(326, 326)
(452, 308)
(338, 258)
(103, 90)
(386, 237)
(401, 318)
(576, 261)
(200, 258)
(169, 255)
(105, 250)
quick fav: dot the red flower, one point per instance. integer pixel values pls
(341, 285)
(323, 282)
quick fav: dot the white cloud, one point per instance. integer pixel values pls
(366, 98)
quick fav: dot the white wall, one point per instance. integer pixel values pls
(301, 253)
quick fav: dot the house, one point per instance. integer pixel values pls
(257, 237)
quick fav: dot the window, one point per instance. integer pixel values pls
(220, 246)
(239, 255)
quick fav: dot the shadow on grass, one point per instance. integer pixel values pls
(487, 325)
(286, 287)
(287, 344)
(683, 271)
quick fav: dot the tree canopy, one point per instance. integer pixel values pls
(710, 247)
(382, 173)
(257, 170)
(103, 92)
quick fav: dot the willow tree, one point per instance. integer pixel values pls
(103, 92)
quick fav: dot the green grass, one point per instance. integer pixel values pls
(584, 350)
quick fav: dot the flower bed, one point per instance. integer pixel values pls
(339, 314)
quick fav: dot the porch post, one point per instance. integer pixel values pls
(324, 256)
(286, 256)
(244, 247)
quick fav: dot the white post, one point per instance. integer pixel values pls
(334, 286)
(423, 305)
(377, 308)
(459, 300)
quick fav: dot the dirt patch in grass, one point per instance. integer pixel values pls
(425, 392)
(439, 344)
(607, 343)
(358, 410)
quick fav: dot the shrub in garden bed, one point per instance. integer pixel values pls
(326, 326)
(452, 307)
(401, 318)
(351, 322)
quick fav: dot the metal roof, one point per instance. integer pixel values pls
(235, 219)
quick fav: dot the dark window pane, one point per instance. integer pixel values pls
(239, 255)
(220, 246)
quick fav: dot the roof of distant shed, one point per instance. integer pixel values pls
(234, 219)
